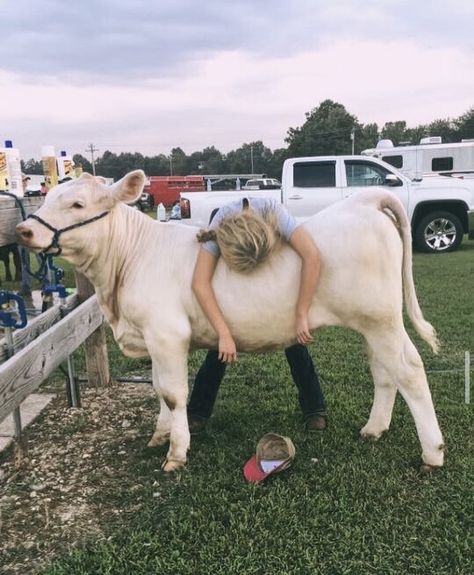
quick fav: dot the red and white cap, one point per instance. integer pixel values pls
(274, 454)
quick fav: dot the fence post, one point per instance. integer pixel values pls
(97, 359)
(467, 377)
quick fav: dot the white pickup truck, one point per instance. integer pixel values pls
(441, 209)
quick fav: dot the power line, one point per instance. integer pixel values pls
(91, 149)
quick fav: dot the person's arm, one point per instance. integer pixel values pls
(202, 287)
(303, 244)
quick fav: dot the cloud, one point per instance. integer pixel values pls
(118, 40)
(234, 98)
(149, 76)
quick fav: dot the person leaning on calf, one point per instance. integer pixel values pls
(245, 234)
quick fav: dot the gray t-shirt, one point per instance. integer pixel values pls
(286, 222)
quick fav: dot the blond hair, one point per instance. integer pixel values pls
(245, 239)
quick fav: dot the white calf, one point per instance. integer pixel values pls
(142, 270)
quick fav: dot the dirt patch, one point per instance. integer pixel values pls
(74, 481)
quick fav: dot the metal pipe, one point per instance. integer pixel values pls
(72, 382)
(10, 353)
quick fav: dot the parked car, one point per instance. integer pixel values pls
(262, 184)
(145, 202)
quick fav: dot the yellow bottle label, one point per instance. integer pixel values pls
(69, 169)
(50, 171)
(3, 171)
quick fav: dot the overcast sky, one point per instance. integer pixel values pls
(149, 75)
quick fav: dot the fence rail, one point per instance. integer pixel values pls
(24, 372)
(38, 325)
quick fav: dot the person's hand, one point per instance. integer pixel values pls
(227, 349)
(303, 335)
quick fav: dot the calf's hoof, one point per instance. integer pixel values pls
(426, 469)
(370, 435)
(433, 459)
(158, 439)
(170, 465)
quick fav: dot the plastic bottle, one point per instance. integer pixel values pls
(161, 212)
(15, 183)
(3, 171)
(65, 166)
(50, 170)
(78, 170)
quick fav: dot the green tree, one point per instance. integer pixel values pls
(78, 159)
(395, 131)
(209, 161)
(444, 128)
(275, 165)
(109, 165)
(112, 166)
(251, 158)
(32, 166)
(157, 165)
(327, 130)
(465, 125)
(414, 135)
(179, 165)
(365, 136)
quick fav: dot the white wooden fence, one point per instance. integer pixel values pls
(52, 337)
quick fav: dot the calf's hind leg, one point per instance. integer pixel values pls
(398, 357)
(385, 392)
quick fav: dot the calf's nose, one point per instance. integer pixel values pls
(23, 232)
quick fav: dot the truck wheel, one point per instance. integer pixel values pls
(438, 232)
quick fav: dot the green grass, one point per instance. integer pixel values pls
(345, 507)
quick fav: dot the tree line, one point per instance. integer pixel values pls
(328, 129)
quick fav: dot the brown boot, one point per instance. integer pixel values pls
(316, 422)
(196, 424)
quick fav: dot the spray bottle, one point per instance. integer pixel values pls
(15, 183)
(50, 170)
(78, 170)
(161, 212)
(3, 171)
(65, 166)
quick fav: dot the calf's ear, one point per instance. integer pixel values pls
(130, 187)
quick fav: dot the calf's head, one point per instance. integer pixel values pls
(74, 211)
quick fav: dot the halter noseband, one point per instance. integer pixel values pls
(56, 233)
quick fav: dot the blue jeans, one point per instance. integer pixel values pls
(210, 375)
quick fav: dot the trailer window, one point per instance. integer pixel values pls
(395, 161)
(314, 175)
(441, 164)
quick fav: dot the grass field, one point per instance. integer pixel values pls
(346, 506)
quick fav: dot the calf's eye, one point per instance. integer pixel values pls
(77, 205)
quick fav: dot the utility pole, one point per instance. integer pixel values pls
(353, 140)
(91, 149)
(251, 159)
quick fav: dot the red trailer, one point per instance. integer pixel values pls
(166, 189)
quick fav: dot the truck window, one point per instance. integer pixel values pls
(359, 173)
(314, 174)
(440, 164)
(395, 161)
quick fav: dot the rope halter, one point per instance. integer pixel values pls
(56, 233)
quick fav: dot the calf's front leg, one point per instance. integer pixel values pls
(163, 422)
(170, 379)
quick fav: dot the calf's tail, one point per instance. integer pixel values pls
(399, 217)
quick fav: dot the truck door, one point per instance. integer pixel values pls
(310, 187)
(361, 174)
